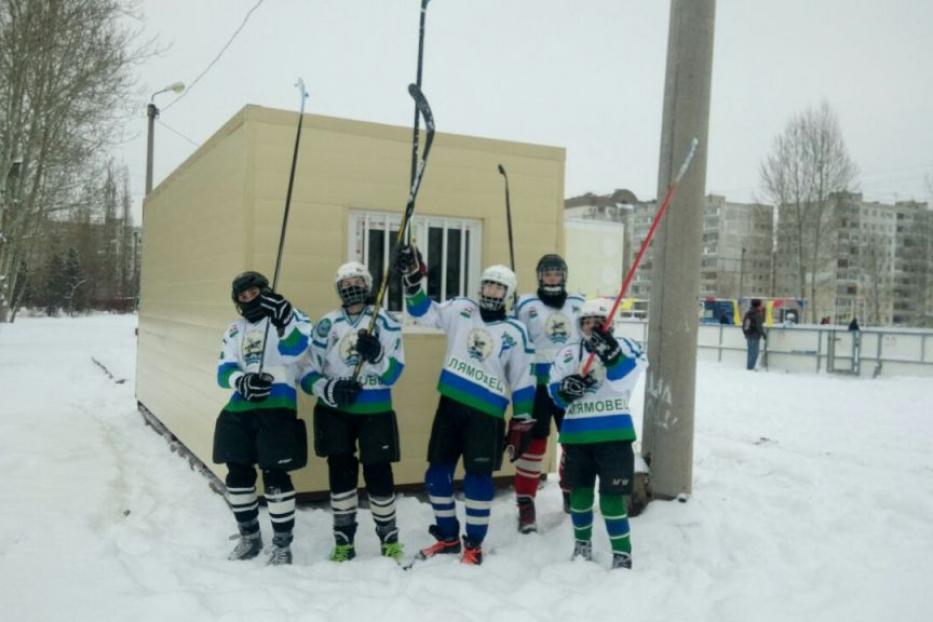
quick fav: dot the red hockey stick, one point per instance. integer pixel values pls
(644, 245)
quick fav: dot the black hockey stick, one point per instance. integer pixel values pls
(288, 202)
(508, 219)
(415, 131)
(425, 111)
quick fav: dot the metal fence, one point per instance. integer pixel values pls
(871, 352)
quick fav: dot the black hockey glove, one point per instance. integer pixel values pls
(519, 437)
(409, 263)
(368, 347)
(574, 386)
(254, 387)
(604, 345)
(341, 392)
(278, 310)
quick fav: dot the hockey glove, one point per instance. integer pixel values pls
(254, 387)
(604, 345)
(409, 263)
(573, 387)
(341, 392)
(368, 347)
(278, 310)
(519, 437)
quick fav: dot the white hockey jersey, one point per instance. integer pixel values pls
(602, 414)
(334, 355)
(485, 363)
(550, 329)
(242, 350)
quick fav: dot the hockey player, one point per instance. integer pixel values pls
(597, 431)
(259, 424)
(351, 413)
(551, 318)
(488, 358)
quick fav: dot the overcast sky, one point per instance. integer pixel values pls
(587, 75)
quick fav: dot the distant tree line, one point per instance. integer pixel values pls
(66, 91)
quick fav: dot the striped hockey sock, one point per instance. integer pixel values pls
(281, 505)
(581, 513)
(528, 468)
(343, 506)
(245, 506)
(383, 510)
(615, 514)
(440, 481)
(478, 490)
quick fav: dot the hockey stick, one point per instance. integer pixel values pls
(288, 202)
(508, 220)
(415, 133)
(425, 111)
(644, 245)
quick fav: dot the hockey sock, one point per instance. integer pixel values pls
(560, 470)
(528, 468)
(380, 487)
(439, 479)
(343, 506)
(478, 490)
(280, 500)
(616, 517)
(581, 513)
(241, 496)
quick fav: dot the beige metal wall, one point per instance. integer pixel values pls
(221, 211)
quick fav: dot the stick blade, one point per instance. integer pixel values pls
(421, 102)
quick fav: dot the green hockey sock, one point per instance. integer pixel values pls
(581, 513)
(613, 508)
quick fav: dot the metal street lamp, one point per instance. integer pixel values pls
(152, 111)
(741, 273)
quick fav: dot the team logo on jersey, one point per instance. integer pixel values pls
(347, 349)
(508, 342)
(251, 348)
(557, 328)
(479, 344)
(323, 327)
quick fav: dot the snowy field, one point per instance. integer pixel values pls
(813, 500)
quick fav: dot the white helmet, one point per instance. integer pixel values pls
(504, 277)
(595, 307)
(353, 294)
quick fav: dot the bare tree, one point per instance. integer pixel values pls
(807, 169)
(65, 92)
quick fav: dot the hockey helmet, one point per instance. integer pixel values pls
(347, 284)
(503, 276)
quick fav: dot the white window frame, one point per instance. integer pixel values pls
(359, 229)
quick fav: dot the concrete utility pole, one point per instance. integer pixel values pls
(667, 445)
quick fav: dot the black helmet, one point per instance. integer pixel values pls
(244, 281)
(553, 295)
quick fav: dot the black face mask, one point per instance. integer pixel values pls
(251, 311)
(553, 299)
(492, 315)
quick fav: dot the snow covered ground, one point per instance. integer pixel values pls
(813, 500)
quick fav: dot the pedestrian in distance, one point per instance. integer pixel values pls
(753, 329)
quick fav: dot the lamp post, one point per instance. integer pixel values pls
(152, 111)
(741, 274)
